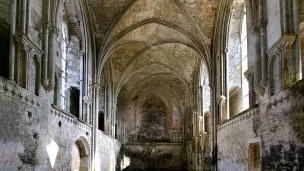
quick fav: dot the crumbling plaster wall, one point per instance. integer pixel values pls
(281, 130)
(108, 153)
(30, 125)
(233, 138)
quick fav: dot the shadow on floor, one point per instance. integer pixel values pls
(153, 169)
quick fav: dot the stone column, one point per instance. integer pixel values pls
(45, 80)
(135, 116)
(95, 119)
(24, 15)
(87, 102)
(51, 56)
(257, 63)
(227, 85)
(46, 27)
(263, 44)
(113, 121)
(221, 101)
(57, 87)
(249, 74)
(298, 61)
(12, 52)
(27, 69)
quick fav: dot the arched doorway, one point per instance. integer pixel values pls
(80, 155)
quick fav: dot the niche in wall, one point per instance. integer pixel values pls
(254, 161)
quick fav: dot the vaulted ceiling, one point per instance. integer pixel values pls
(154, 45)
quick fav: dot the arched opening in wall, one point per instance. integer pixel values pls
(80, 156)
(73, 82)
(4, 49)
(237, 62)
(101, 120)
(205, 100)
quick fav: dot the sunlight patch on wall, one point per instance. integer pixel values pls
(52, 150)
(125, 162)
(97, 162)
(113, 161)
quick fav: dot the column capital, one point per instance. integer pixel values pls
(249, 74)
(58, 72)
(53, 30)
(95, 85)
(86, 99)
(220, 100)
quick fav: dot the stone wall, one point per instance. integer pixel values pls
(36, 22)
(233, 141)
(108, 153)
(4, 11)
(274, 21)
(31, 125)
(153, 125)
(235, 102)
(282, 130)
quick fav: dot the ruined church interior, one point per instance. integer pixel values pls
(151, 85)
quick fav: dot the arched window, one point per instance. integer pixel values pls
(244, 55)
(64, 36)
(70, 63)
(237, 63)
(205, 97)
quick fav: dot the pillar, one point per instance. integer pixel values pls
(51, 56)
(12, 43)
(46, 26)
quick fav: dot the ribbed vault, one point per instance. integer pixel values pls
(153, 48)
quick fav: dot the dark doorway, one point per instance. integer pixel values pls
(101, 121)
(74, 101)
(4, 50)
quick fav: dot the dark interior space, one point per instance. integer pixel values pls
(4, 50)
(74, 99)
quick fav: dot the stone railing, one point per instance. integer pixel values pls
(244, 116)
(70, 118)
(163, 144)
(11, 89)
(107, 139)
